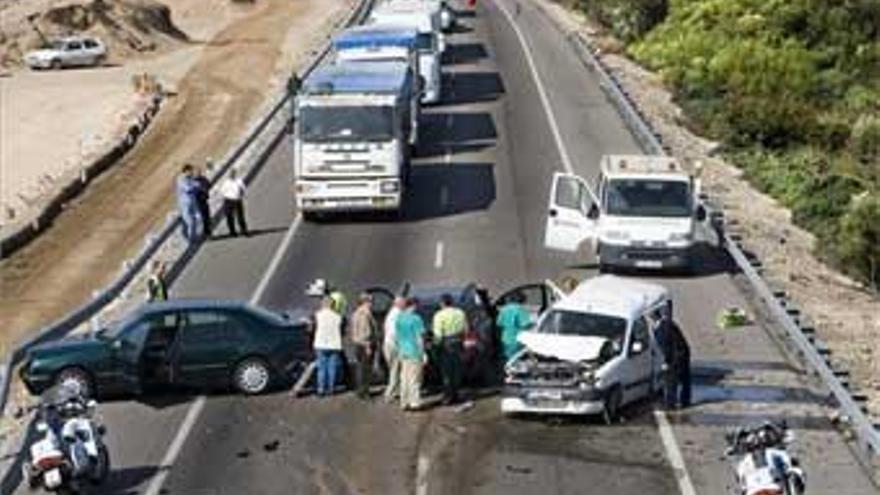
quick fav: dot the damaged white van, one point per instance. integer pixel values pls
(592, 352)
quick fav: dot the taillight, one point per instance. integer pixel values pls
(50, 462)
(767, 491)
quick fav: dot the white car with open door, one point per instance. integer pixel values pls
(592, 352)
(644, 214)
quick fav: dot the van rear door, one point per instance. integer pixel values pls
(568, 216)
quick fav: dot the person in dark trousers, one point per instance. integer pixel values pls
(232, 189)
(677, 360)
(448, 326)
(157, 288)
(363, 336)
(203, 193)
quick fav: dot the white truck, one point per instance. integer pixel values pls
(375, 42)
(644, 216)
(353, 128)
(591, 352)
(430, 42)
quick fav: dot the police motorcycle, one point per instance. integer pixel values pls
(763, 465)
(69, 450)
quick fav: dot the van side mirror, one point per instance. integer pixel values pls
(593, 213)
(700, 213)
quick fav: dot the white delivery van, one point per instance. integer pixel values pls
(430, 43)
(592, 352)
(643, 215)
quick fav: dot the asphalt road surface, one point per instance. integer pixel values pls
(475, 213)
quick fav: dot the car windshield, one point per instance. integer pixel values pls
(57, 45)
(561, 322)
(648, 198)
(425, 42)
(319, 124)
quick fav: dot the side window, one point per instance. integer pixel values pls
(203, 329)
(640, 335)
(570, 194)
(74, 46)
(90, 44)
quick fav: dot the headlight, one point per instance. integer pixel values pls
(681, 236)
(617, 235)
(389, 187)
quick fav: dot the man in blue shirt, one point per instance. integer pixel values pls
(187, 203)
(409, 337)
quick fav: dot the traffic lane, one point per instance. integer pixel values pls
(699, 299)
(355, 254)
(140, 431)
(480, 451)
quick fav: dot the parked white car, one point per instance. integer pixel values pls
(592, 352)
(73, 51)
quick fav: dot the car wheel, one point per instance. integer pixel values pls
(55, 64)
(77, 379)
(252, 376)
(613, 402)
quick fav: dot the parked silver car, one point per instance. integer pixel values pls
(73, 51)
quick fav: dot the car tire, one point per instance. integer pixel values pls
(252, 376)
(55, 64)
(613, 403)
(77, 378)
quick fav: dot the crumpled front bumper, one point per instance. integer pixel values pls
(552, 400)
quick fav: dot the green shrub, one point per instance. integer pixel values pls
(627, 19)
(865, 138)
(858, 247)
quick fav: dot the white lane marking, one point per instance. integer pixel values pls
(195, 409)
(438, 255)
(422, 468)
(276, 260)
(192, 415)
(542, 93)
(667, 436)
(674, 454)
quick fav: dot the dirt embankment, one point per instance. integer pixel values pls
(215, 101)
(846, 315)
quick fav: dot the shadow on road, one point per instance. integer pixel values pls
(438, 190)
(464, 53)
(456, 133)
(126, 481)
(472, 87)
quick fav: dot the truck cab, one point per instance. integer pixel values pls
(643, 215)
(354, 125)
(591, 352)
(430, 42)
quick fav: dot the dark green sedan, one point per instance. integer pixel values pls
(175, 344)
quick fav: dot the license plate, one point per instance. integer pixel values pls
(648, 264)
(548, 395)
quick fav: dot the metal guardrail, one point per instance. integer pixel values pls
(155, 241)
(867, 436)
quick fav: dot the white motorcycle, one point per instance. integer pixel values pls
(69, 450)
(763, 465)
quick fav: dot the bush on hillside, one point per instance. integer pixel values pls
(859, 245)
(627, 19)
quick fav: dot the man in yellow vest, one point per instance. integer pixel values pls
(448, 327)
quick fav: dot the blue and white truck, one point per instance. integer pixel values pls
(355, 123)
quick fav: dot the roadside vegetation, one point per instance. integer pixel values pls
(791, 90)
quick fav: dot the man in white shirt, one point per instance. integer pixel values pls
(389, 349)
(327, 345)
(232, 189)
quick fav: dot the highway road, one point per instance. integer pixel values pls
(475, 213)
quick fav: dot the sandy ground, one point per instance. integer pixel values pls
(216, 99)
(847, 316)
(54, 123)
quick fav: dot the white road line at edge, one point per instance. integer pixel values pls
(422, 468)
(195, 410)
(438, 255)
(542, 93)
(674, 454)
(667, 436)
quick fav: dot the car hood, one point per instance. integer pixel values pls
(572, 348)
(44, 53)
(75, 344)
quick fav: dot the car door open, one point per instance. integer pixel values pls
(572, 213)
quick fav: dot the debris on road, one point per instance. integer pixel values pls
(732, 317)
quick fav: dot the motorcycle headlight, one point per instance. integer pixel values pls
(617, 235)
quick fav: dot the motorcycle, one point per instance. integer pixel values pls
(69, 450)
(763, 465)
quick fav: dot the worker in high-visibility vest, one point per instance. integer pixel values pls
(339, 301)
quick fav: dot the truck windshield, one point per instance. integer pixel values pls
(425, 42)
(562, 322)
(320, 124)
(648, 198)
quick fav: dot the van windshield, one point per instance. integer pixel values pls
(320, 124)
(648, 198)
(425, 43)
(563, 322)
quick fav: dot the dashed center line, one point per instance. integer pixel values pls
(438, 255)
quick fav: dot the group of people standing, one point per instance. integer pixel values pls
(193, 194)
